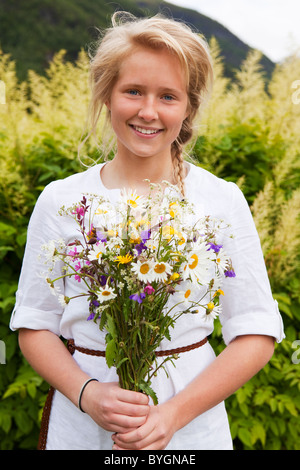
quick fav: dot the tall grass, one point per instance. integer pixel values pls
(249, 134)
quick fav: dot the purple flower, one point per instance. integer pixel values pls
(103, 279)
(140, 247)
(138, 297)
(213, 246)
(230, 273)
(91, 316)
(145, 235)
(101, 237)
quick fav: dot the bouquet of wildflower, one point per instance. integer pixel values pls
(134, 257)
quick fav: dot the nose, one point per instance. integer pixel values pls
(148, 110)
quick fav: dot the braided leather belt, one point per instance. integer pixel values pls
(168, 352)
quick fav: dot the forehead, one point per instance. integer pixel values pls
(153, 66)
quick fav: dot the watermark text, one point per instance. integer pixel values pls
(296, 94)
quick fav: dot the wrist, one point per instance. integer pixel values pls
(173, 412)
(82, 392)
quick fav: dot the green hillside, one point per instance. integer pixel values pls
(32, 31)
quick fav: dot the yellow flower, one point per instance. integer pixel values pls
(100, 211)
(210, 306)
(218, 292)
(173, 209)
(174, 277)
(135, 240)
(124, 259)
(112, 233)
(167, 232)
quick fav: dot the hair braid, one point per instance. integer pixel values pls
(177, 146)
(178, 167)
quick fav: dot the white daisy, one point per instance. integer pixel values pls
(161, 270)
(222, 260)
(132, 199)
(198, 265)
(186, 294)
(144, 270)
(63, 300)
(97, 251)
(106, 293)
(212, 311)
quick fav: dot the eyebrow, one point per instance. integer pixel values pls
(161, 89)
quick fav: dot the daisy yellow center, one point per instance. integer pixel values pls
(210, 306)
(160, 268)
(135, 240)
(132, 203)
(218, 260)
(144, 269)
(195, 262)
(105, 293)
(187, 293)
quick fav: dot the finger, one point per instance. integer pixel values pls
(136, 398)
(128, 422)
(118, 424)
(138, 436)
(130, 409)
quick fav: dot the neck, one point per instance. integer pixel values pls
(132, 172)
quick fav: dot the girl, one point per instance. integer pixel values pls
(152, 75)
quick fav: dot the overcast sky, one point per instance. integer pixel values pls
(272, 26)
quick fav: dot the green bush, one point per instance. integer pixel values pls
(249, 134)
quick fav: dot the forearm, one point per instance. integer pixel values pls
(47, 354)
(109, 406)
(239, 361)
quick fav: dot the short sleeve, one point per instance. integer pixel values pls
(36, 307)
(248, 304)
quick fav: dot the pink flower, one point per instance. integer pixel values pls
(149, 289)
(77, 267)
(79, 211)
(74, 253)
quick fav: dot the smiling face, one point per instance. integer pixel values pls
(148, 103)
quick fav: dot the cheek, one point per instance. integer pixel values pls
(122, 111)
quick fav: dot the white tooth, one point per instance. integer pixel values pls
(145, 131)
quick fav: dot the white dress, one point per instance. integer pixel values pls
(248, 308)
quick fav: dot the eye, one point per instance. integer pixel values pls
(133, 92)
(168, 97)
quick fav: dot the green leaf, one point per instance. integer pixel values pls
(245, 436)
(111, 352)
(258, 433)
(111, 327)
(5, 422)
(149, 391)
(23, 421)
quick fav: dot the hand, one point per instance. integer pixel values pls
(113, 408)
(155, 434)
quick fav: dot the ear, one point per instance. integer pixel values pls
(107, 104)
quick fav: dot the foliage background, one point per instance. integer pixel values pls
(249, 134)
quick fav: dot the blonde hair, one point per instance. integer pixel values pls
(119, 41)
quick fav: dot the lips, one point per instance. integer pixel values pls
(145, 130)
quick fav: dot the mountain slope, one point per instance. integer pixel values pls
(33, 31)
